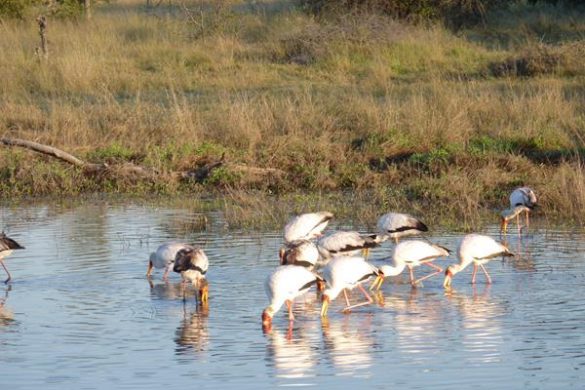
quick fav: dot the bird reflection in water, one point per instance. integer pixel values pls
(170, 291)
(348, 343)
(6, 316)
(479, 327)
(293, 357)
(523, 260)
(306, 306)
(416, 325)
(192, 336)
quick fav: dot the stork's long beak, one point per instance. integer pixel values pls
(149, 271)
(447, 281)
(504, 226)
(325, 306)
(377, 283)
(204, 293)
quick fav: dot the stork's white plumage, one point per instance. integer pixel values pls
(164, 257)
(299, 252)
(476, 249)
(192, 263)
(345, 273)
(396, 225)
(306, 226)
(523, 196)
(412, 254)
(7, 245)
(522, 199)
(282, 286)
(346, 243)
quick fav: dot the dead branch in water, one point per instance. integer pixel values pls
(136, 172)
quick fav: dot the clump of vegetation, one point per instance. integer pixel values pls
(22, 9)
(543, 59)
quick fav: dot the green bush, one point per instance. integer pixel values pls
(19, 9)
(16, 9)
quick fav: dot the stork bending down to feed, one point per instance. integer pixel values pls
(346, 244)
(397, 225)
(192, 264)
(522, 200)
(345, 273)
(412, 254)
(164, 257)
(282, 286)
(476, 249)
(299, 252)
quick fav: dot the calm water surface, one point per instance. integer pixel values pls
(80, 313)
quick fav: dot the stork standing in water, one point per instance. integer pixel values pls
(164, 257)
(412, 254)
(476, 249)
(306, 226)
(282, 286)
(346, 244)
(7, 245)
(397, 225)
(522, 200)
(192, 264)
(299, 252)
(345, 273)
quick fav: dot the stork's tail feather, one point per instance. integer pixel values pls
(443, 248)
(421, 226)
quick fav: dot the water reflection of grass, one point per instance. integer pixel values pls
(401, 117)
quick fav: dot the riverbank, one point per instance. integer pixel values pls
(401, 117)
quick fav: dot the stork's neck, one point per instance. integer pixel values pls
(396, 269)
(456, 268)
(275, 305)
(332, 292)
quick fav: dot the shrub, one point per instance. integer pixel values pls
(16, 8)
(454, 12)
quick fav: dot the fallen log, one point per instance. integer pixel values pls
(136, 172)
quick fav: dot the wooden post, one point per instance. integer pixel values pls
(44, 49)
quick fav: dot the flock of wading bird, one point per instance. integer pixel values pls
(332, 262)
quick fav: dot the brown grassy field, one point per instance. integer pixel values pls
(358, 111)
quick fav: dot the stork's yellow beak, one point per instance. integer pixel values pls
(204, 293)
(504, 226)
(447, 281)
(325, 306)
(377, 283)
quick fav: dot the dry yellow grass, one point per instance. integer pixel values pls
(331, 102)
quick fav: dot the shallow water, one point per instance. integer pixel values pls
(80, 313)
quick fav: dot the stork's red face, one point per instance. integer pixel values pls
(266, 318)
(448, 277)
